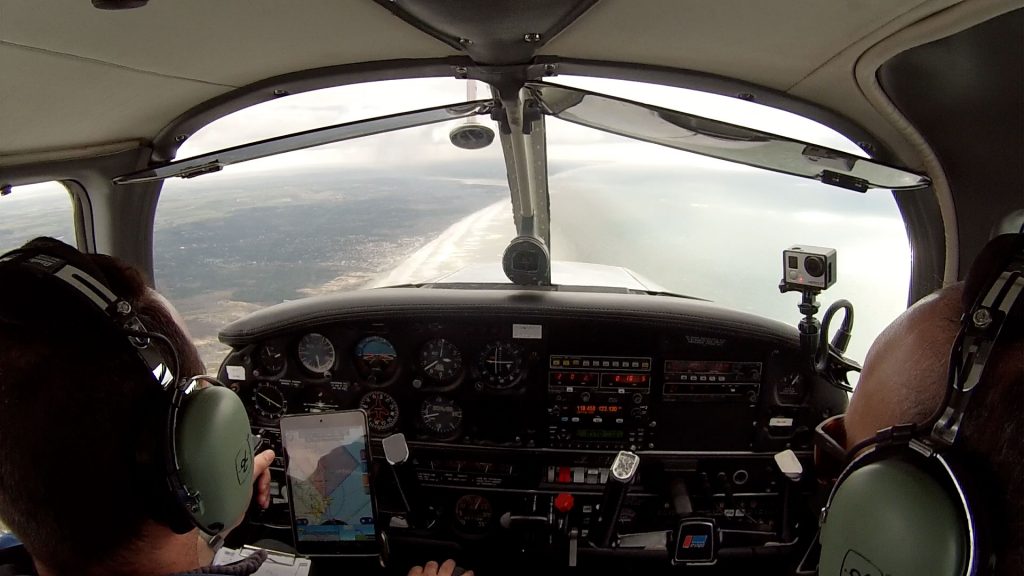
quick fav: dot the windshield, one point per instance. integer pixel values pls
(410, 207)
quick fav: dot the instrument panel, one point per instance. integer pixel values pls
(514, 403)
(434, 381)
(466, 382)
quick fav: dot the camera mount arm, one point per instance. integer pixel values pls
(809, 270)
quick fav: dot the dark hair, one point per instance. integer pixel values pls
(993, 427)
(990, 441)
(82, 421)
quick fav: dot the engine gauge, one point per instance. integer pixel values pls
(381, 411)
(269, 402)
(376, 360)
(440, 360)
(790, 389)
(473, 513)
(316, 353)
(440, 416)
(271, 359)
(501, 364)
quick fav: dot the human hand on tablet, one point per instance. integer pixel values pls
(432, 569)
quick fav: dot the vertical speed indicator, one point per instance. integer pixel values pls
(441, 417)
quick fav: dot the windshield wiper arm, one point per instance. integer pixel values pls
(215, 161)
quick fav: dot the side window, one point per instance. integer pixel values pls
(36, 210)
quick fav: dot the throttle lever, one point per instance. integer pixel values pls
(620, 476)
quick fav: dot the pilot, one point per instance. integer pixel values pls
(83, 484)
(905, 381)
(79, 483)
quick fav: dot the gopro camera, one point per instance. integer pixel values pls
(808, 267)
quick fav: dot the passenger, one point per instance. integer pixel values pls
(905, 381)
(79, 483)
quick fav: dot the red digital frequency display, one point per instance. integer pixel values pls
(598, 409)
(625, 380)
(616, 373)
(573, 378)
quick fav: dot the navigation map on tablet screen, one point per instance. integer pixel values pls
(329, 479)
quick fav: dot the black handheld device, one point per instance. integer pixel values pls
(333, 509)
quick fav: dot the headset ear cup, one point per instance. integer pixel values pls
(215, 458)
(891, 516)
(162, 504)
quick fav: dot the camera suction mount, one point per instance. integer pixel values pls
(809, 326)
(809, 270)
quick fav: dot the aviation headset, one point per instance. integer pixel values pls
(907, 504)
(207, 448)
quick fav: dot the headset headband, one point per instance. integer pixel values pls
(980, 329)
(43, 263)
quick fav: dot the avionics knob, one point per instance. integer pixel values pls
(638, 398)
(585, 397)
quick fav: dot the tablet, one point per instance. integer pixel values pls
(327, 464)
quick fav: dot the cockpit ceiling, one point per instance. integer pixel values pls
(77, 76)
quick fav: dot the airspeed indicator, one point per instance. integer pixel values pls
(316, 353)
